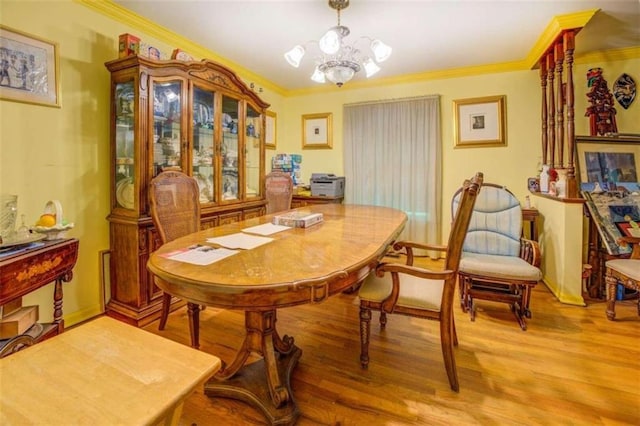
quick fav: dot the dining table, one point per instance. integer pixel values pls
(290, 267)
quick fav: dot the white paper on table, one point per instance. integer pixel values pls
(266, 229)
(202, 255)
(240, 241)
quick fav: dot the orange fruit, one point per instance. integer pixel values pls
(46, 220)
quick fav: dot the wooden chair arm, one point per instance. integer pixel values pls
(530, 252)
(389, 303)
(634, 242)
(413, 270)
(410, 245)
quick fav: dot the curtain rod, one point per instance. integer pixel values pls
(384, 101)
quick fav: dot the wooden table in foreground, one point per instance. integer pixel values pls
(301, 265)
(104, 372)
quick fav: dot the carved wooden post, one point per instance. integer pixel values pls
(551, 110)
(569, 46)
(559, 57)
(543, 85)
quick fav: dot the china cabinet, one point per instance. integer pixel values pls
(195, 116)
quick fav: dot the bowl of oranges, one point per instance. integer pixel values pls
(51, 222)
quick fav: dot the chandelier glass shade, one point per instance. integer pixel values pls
(338, 60)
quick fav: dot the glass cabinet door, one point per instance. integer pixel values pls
(203, 164)
(124, 145)
(166, 124)
(229, 148)
(253, 123)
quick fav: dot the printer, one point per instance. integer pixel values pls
(326, 185)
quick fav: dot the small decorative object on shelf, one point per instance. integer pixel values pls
(128, 45)
(298, 219)
(544, 178)
(181, 55)
(52, 222)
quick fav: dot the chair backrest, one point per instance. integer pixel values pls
(174, 202)
(278, 191)
(496, 224)
(467, 198)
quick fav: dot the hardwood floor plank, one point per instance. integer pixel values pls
(571, 367)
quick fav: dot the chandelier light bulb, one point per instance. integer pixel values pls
(380, 50)
(318, 76)
(330, 41)
(294, 56)
(370, 67)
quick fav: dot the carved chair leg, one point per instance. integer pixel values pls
(472, 309)
(446, 340)
(193, 310)
(164, 313)
(463, 293)
(612, 284)
(383, 320)
(365, 331)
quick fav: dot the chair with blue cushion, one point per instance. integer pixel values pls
(497, 263)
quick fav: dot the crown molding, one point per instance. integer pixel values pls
(120, 14)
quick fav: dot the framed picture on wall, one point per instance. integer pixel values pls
(29, 68)
(317, 131)
(609, 162)
(480, 122)
(271, 130)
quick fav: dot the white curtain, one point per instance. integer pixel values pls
(393, 158)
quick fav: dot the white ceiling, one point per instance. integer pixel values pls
(426, 35)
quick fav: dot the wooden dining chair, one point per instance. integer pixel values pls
(625, 272)
(175, 210)
(419, 292)
(278, 191)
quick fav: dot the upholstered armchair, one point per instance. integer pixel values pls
(625, 272)
(405, 289)
(497, 263)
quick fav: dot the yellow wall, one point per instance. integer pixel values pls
(63, 153)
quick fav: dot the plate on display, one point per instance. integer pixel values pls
(125, 193)
(12, 242)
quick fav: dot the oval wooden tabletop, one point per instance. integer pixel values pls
(300, 264)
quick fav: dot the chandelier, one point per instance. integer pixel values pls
(340, 61)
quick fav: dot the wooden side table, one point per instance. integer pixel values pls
(28, 270)
(306, 199)
(531, 216)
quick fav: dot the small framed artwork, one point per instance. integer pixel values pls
(480, 122)
(608, 162)
(271, 130)
(317, 131)
(29, 68)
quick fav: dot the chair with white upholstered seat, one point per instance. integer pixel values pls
(419, 292)
(625, 272)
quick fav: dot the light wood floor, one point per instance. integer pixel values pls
(571, 367)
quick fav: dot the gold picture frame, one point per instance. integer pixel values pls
(317, 131)
(480, 122)
(29, 68)
(271, 130)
